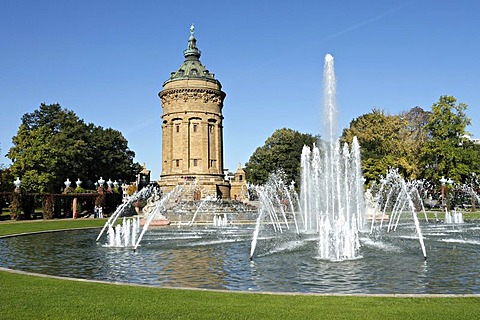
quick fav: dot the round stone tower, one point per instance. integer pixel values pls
(192, 130)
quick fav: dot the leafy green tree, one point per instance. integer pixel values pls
(448, 152)
(412, 139)
(110, 147)
(382, 143)
(33, 157)
(53, 144)
(282, 151)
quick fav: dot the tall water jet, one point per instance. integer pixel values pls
(331, 202)
(331, 197)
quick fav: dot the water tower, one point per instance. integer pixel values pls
(192, 129)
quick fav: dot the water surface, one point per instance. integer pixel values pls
(218, 258)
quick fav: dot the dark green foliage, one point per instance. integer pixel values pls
(282, 151)
(66, 203)
(6, 179)
(53, 144)
(28, 205)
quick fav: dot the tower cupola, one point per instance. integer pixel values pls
(192, 68)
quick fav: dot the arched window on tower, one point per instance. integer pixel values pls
(176, 122)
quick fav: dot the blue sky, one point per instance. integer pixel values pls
(107, 61)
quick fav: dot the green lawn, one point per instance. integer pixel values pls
(31, 297)
(467, 215)
(15, 227)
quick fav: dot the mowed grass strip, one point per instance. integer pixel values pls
(18, 227)
(31, 297)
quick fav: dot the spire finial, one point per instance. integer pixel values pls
(192, 30)
(192, 51)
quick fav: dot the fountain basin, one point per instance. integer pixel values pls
(218, 258)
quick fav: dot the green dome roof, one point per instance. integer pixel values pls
(192, 68)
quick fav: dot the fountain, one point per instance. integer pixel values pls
(330, 209)
(220, 220)
(202, 204)
(124, 234)
(137, 196)
(331, 199)
(400, 198)
(160, 206)
(129, 233)
(459, 197)
(455, 217)
(276, 205)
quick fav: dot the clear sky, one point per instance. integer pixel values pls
(107, 61)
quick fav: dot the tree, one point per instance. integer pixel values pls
(282, 151)
(110, 147)
(448, 152)
(383, 143)
(33, 158)
(413, 138)
(5, 177)
(53, 144)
